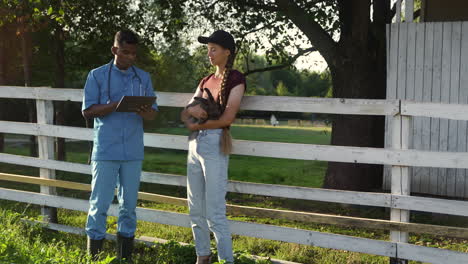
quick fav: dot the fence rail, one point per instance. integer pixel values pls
(293, 192)
(260, 103)
(383, 156)
(285, 234)
(399, 157)
(237, 210)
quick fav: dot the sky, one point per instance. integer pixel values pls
(313, 62)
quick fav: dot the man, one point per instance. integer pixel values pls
(118, 150)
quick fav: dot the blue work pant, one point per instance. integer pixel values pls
(207, 178)
(107, 175)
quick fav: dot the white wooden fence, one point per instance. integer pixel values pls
(398, 156)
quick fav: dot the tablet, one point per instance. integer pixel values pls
(133, 103)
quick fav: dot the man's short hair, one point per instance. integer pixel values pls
(125, 36)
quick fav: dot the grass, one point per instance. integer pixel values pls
(306, 135)
(257, 169)
(24, 243)
(242, 168)
(274, 249)
(31, 244)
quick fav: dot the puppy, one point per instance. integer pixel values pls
(211, 107)
(213, 110)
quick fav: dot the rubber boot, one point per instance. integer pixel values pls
(203, 260)
(125, 247)
(94, 247)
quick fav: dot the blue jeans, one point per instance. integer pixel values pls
(125, 175)
(206, 190)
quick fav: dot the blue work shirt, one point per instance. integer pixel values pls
(118, 135)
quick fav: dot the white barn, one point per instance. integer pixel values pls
(427, 61)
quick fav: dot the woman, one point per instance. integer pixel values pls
(208, 157)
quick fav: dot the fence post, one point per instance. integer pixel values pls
(409, 10)
(398, 11)
(45, 115)
(400, 179)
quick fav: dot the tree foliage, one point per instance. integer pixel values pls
(271, 35)
(350, 36)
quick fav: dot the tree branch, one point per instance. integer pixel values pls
(255, 30)
(393, 11)
(212, 5)
(417, 13)
(271, 68)
(284, 65)
(264, 7)
(314, 32)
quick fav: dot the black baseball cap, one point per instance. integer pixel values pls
(221, 38)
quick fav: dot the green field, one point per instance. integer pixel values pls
(306, 135)
(242, 168)
(255, 169)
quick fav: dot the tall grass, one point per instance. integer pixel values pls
(21, 244)
(26, 243)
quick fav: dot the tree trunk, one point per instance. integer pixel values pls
(26, 48)
(359, 73)
(59, 39)
(359, 131)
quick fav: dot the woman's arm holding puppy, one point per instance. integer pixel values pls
(228, 116)
(195, 111)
